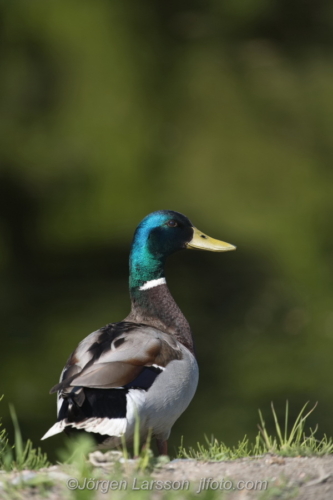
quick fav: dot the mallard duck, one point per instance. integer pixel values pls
(145, 365)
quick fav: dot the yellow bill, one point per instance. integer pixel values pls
(203, 242)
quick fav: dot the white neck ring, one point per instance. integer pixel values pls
(153, 283)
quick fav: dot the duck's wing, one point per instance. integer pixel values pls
(110, 369)
(115, 356)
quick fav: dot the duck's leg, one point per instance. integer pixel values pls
(162, 446)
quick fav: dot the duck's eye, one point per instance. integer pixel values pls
(172, 223)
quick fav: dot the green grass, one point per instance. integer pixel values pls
(295, 442)
(20, 455)
(3, 443)
(286, 441)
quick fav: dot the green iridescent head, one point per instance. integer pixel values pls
(159, 235)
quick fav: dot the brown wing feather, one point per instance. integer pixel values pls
(107, 375)
(123, 365)
(121, 359)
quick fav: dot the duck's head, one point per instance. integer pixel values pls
(159, 235)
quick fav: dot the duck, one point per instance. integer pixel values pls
(145, 366)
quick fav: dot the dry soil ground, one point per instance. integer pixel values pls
(244, 479)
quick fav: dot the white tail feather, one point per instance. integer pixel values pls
(55, 429)
(104, 426)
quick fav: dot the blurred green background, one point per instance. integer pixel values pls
(219, 109)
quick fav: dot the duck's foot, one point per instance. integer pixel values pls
(162, 446)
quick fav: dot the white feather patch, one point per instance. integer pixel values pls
(60, 401)
(153, 283)
(59, 398)
(55, 429)
(162, 368)
(104, 426)
(135, 401)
